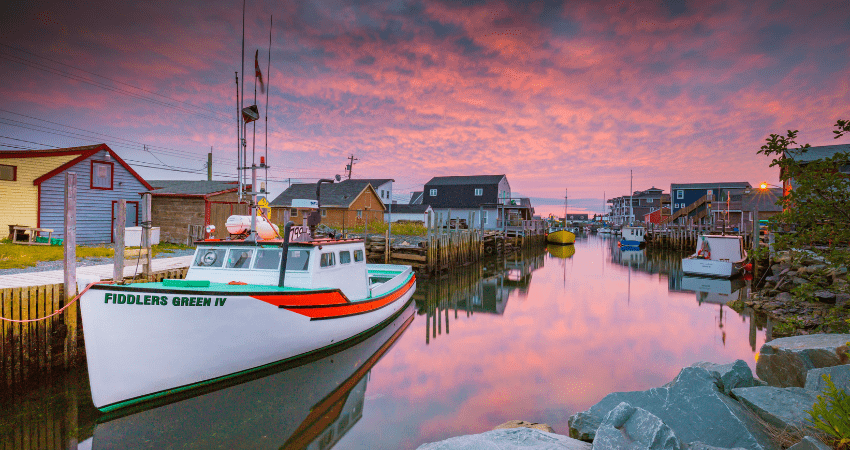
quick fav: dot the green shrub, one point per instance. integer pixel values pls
(831, 414)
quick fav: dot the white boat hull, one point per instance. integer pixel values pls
(136, 352)
(710, 268)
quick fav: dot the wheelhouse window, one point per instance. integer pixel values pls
(240, 258)
(358, 255)
(8, 173)
(327, 260)
(209, 257)
(344, 257)
(297, 259)
(101, 175)
(268, 259)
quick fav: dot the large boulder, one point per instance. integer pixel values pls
(692, 405)
(733, 375)
(630, 428)
(784, 362)
(809, 443)
(701, 446)
(840, 376)
(784, 408)
(524, 424)
(509, 439)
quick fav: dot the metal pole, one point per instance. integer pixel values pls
(284, 252)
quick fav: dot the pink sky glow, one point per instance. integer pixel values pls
(553, 94)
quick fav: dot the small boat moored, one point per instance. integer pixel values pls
(716, 256)
(560, 236)
(633, 236)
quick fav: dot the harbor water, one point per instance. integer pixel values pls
(537, 336)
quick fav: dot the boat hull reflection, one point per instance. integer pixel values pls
(305, 407)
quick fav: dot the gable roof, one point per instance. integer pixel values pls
(336, 195)
(83, 152)
(727, 184)
(192, 188)
(375, 182)
(416, 198)
(465, 179)
(815, 153)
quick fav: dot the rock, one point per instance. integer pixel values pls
(701, 446)
(692, 405)
(733, 375)
(842, 299)
(627, 427)
(799, 280)
(840, 376)
(784, 297)
(784, 362)
(809, 443)
(524, 424)
(781, 407)
(509, 439)
(825, 296)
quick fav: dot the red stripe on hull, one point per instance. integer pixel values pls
(349, 309)
(316, 298)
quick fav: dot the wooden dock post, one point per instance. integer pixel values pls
(118, 224)
(70, 275)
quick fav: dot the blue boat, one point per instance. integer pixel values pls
(632, 236)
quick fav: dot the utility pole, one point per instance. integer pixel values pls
(350, 164)
(209, 165)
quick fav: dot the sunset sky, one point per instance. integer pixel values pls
(556, 95)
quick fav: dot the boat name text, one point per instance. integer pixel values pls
(131, 299)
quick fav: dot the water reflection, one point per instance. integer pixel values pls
(481, 288)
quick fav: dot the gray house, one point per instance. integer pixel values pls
(485, 198)
(32, 190)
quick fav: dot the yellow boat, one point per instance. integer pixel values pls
(561, 237)
(561, 251)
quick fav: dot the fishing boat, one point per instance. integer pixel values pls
(560, 236)
(716, 256)
(254, 298)
(632, 236)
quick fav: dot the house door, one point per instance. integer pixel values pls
(131, 219)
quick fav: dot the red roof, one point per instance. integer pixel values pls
(84, 152)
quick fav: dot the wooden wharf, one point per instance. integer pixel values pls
(448, 245)
(684, 237)
(29, 351)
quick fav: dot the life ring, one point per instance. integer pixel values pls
(704, 254)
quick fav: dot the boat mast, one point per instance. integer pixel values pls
(565, 207)
(631, 219)
(239, 165)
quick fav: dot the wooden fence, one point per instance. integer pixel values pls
(31, 350)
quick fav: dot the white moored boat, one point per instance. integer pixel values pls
(716, 256)
(230, 316)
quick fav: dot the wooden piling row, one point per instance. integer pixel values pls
(685, 236)
(33, 349)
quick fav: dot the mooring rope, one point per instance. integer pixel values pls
(60, 309)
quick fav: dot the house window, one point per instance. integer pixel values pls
(479, 192)
(8, 173)
(680, 194)
(358, 255)
(344, 257)
(433, 193)
(294, 213)
(101, 175)
(327, 260)
(484, 217)
(324, 213)
(359, 214)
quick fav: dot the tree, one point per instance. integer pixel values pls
(817, 207)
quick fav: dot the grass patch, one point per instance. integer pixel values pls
(17, 256)
(401, 229)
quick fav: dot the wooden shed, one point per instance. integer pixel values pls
(183, 208)
(32, 190)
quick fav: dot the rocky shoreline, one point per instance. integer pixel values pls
(802, 295)
(707, 406)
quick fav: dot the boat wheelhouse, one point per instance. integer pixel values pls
(633, 236)
(716, 256)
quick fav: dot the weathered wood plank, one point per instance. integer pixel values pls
(25, 341)
(32, 329)
(42, 327)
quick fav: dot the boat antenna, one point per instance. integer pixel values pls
(238, 136)
(631, 218)
(268, 88)
(239, 161)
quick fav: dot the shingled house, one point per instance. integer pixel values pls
(347, 203)
(182, 209)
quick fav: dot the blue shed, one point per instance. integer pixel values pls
(103, 179)
(683, 194)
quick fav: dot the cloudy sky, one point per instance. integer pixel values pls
(556, 95)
